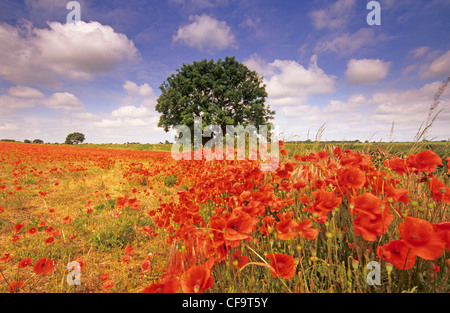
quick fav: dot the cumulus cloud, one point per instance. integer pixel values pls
(131, 111)
(366, 71)
(63, 51)
(290, 83)
(206, 34)
(334, 16)
(440, 67)
(348, 43)
(22, 97)
(63, 101)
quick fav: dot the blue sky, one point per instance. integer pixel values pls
(321, 62)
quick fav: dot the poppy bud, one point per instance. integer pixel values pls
(355, 264)
(389, 267)
(414, 203)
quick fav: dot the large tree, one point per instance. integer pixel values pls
(74, 138)
(222, 93)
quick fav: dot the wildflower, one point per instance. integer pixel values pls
(281, 265)
(419, 235)
(32, 230)
(18, 227)
(196, 279)
(398, 253)
(108, 284)
(43, 266)
(6, 257)
(15, 286)
(25, 262)
(168, 286)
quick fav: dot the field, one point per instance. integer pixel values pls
(129, 218)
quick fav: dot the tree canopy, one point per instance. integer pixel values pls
(74, 138)
(222, 93)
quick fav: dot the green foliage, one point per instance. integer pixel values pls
(74, 138)
(38, 141)
(116, 235)
(170, 180)
(223, 93)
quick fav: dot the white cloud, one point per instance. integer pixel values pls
(349, 43)
(25, 92)
(440, 67)
(107, 123)
(206, 34)
(366, 71)
(63, 51)
(420, 51)
(8, 127)
(289, 83)
(352, 105)
(131, 111)
(63, 101)
(334, 16)
(134, 90)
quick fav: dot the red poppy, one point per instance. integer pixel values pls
(286, 229)
(16, 238)
(448, 164)
(41, 224)
(283, 152)
(443, 231)
(424, 161)
(18, 227)
(128, 249)
(6, 257)
(372, 220)
(49, 239)
(238, 260)
(43, 266)
(436, 187)
(32, 230)
(268, 222)
(25, 262)
(108, 284)
(324, 202)
(397, 164)
(282, 265)
(104, 277)
(352, 177)
(398, 253)
(305, 230)
(196, 279)
(67, 220)
(239, 225)
(420, 236)
(168, 286)
(322, 155)
(15, 286)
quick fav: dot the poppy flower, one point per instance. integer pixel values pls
(15, 286)
(304, 229)
(398, 253)
(443, 231)
(128, 249)
(67, 220)
(41, 224)
(238, 227)
(397, 164)
(283, 152)
(424, 161)
(436, 187)
(25, 262)
(282, 265)
(16, 238)
(268, 222)
(18, 227)
(324, 202)
(372, 220)
(49, 239)
(238, 260)
(168, 286)
(322, 155)
(196, 279)
(104, 277)
(108, 284)
(448, 164)
(286, 229)
(43, 266)
(419, 235)
(352, 177)
(6, 257)
(32, 230)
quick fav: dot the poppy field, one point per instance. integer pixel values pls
(79, 219)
